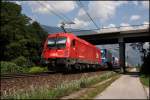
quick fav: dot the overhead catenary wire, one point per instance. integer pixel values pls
(52, 11)
(61, 13)
(82, 6)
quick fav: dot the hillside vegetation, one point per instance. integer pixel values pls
(20, 38)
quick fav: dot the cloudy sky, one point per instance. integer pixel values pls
(104, 13)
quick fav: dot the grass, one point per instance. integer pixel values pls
(60, 90)
(145, 79)
(37, 69)
(19, 69)
(91, 93)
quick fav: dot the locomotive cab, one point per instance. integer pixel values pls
(57, 50)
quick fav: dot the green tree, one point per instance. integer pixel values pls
(19, 37)
(145, 55)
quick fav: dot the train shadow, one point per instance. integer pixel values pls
(82, 71)
(132, 74)
(90, 71)
(65, 72)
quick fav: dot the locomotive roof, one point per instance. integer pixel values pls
(71, 34)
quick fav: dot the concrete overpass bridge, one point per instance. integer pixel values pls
(119, 36)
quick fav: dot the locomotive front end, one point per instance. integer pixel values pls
(56, 51)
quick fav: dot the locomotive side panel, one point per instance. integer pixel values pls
(87, 53)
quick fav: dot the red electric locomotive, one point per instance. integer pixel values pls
(65, 51)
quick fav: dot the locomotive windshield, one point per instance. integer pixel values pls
(57, 42)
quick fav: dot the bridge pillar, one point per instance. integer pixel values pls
(122, 55)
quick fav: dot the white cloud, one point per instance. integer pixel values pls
(135, 17)
(18, 2)
(102, 10)
(135, 2)
(82, 15)
(145, 25)
(125, 26)
(145, 22)
(146, 45)
(81, 12)
(111, 25)
(145, 4)
(45, 7)
(79, 24)
(109, 28)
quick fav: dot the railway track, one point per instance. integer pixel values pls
(16, 82)
(22, 75)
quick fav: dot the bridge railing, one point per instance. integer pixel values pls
(115, 29)
(123, 28)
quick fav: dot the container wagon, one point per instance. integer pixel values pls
(107, 58)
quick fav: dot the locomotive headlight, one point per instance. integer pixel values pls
(44, 61)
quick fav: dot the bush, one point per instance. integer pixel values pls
(145, 66)
(10, 67)
(22, 61)
(145, 80)
(37, 69)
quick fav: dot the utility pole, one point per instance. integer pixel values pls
(63, 25)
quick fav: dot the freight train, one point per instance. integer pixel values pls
(65, 52)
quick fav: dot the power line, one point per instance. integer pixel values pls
(61, 13)
(82, 6)
(52, 11)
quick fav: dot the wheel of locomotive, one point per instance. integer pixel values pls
(73, 69)
(83, 67)
(94, 67)
(87, 67)
(50, 67)
(80, 67)
(59, 68)
(90, 67)
(77, 67)
(109, 65)
(68, 68)
(98, 67)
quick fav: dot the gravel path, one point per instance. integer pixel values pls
(126, 87)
